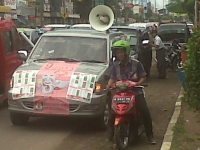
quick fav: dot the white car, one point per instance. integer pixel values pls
(82, 26)
(57, 26)
(142, 26)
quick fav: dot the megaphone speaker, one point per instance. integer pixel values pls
(101, 17)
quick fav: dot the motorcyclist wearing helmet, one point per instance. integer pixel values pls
(41, 31)
(131, 69)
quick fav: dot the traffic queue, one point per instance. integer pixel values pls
(64, 70)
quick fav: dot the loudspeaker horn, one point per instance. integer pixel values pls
(101, 17)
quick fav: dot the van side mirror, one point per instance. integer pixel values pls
(22, 54)
(145, 42)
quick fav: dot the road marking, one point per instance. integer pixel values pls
(167, 141)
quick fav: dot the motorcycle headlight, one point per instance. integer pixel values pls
(122, 86)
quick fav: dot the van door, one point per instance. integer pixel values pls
(11, 57)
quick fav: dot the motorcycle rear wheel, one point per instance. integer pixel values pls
(175, 65)
(122, 136)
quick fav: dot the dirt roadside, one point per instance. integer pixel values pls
(187, 129)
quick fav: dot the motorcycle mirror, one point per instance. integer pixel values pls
(144, 42)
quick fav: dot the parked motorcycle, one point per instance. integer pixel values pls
(128, 123)
(173, 59)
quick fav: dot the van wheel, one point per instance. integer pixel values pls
(19, 119)
(103, 120)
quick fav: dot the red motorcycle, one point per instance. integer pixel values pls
(128, 123)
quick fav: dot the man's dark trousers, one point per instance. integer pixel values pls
(161, 65)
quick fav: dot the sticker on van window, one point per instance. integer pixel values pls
(81, 87)
(24, 84)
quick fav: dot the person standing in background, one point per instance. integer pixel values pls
(160, 54)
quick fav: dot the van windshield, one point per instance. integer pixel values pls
(172, 29)
(171, 32)
(78, 48)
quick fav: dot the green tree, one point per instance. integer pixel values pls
(127, 12)
(149, 13)
(179, 6)
(114, 5)
(83, 8)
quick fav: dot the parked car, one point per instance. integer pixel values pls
(142, 26)
(9, 45)
(170, 31)
(65, 74)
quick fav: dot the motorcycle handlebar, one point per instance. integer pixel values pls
(138, 86)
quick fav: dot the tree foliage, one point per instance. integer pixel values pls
(127, 12)
(83, 8)
(192, 70)
(149, 13)
(179, 6)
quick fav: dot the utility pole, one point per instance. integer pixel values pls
(64, 11)
(163, 6)
(116, 13)
(196, 14)
(155, 6)
(41, 13)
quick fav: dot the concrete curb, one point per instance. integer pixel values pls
(167, 141)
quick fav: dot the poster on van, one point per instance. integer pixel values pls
(24, 84)
(81, 87)
(52, 84)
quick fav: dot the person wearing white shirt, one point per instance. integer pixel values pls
(160, 54)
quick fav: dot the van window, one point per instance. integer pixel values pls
(8, 42)
(16, 39)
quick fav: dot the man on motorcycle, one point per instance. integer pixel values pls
(125, 68)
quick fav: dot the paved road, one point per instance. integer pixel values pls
(76, 134)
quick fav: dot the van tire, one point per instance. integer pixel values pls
(104, 120)
(18, 119)
(5, 103)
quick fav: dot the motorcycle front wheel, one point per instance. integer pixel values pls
(122, 136)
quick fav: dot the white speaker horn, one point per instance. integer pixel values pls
(101, 18)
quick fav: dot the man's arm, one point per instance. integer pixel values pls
(110, 82)
(156, 43)
(142, 80)
(112, 79)
(141, 72)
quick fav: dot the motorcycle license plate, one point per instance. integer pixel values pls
(122, 99)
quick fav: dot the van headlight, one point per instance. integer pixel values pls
(98, 88)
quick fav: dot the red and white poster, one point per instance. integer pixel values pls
(52, 84)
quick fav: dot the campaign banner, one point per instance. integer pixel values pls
(52, 84)
(24, 84)
(81, 87)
